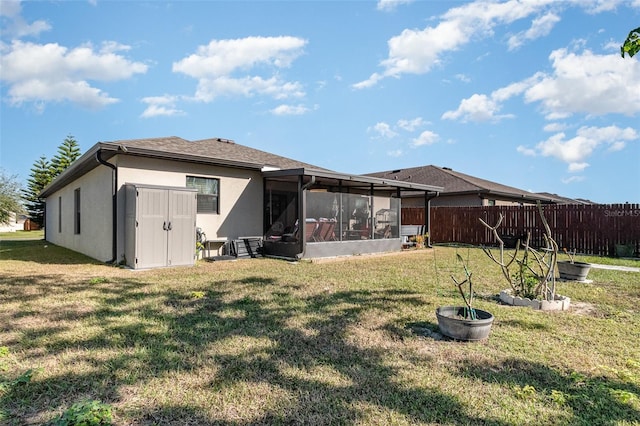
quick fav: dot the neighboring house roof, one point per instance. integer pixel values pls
(565, 200)
(215, 151)
(456, 183)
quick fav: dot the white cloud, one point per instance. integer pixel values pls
(411, 125)
(597, 6)
(573, 179)
(370, 82)
(463, 78)
(16, 26)
(416, 51)
(209, 89)
(574, 151)
(395, 153)
(581, 83)
(476, 108)
(526, 151)
(588, 83)
(290, 110)
(50, 72)
(554, 127)
(383, 129)
(540, 27)
(161, 106)
(224, 67)
(577, 167)
(390, 5)
(426, 138)
(617, 146)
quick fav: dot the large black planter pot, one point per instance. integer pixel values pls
(576, 271)
(452, 324)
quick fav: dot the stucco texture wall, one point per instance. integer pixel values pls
(241, 194)
(95, 237)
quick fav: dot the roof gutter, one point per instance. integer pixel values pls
(114, 205)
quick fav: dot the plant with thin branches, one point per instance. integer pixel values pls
(530, 272)
(469, 312)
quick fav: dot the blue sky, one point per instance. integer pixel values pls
(532, 94)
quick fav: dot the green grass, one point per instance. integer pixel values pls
(264, 341)
(22, 235)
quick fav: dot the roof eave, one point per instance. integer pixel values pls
(352, 178)
(88, 161)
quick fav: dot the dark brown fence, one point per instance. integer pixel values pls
(590, 229)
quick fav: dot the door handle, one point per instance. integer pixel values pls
(164, 226)
(169, 227)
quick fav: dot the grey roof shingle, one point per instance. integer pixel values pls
(213, 149)
(455, 182)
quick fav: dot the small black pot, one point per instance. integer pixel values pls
(452, 324)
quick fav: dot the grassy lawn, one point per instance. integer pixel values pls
(263, 341)
(22, 235)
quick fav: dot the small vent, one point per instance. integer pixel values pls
(224, 140)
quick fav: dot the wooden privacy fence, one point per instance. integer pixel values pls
(590, 229)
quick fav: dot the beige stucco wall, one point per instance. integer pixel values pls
(241, 194)
(95, 236)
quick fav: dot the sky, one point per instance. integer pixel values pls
(532, 94)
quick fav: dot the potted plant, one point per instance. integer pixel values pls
(625, 250)
(572, 270)
(464, 322)
(530, 272)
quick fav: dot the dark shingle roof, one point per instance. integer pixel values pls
(566, 200)
(457, 183)
(216, 151)
(211, 150)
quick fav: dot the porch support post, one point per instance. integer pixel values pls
(340, 211)
(427, 217)
(371, 233)
(302, 213)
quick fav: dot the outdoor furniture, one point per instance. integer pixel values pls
(250, 246)
(408, 231)
(310, 229)
(325, 231)
(218, 242)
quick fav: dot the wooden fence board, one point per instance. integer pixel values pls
(590, 229)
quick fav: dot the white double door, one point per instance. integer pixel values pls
(165, 227)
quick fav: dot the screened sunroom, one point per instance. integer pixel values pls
(319, 213)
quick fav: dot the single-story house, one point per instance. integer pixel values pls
(459, 189)
(139, 203)
(15, 223)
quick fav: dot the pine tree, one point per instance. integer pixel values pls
(68, 151)
(41, 176)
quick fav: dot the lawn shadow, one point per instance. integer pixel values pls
(593, 400)
(141, 333)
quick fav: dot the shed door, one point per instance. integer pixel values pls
(152, 222)
(182, 235)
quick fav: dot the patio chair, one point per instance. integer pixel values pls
(326, 229)
(311, 229)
